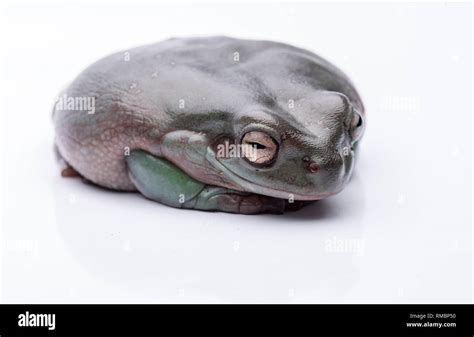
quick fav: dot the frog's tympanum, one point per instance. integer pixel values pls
(216, 124)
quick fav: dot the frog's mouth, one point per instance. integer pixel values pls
(253, 187)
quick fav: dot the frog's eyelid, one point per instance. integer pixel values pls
(269, 131)
(256, 144)
(260, 138)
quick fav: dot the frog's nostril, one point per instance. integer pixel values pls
(310, 165)
(313, 167)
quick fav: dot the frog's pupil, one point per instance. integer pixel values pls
(258, 146)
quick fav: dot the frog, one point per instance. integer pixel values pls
(165, 115)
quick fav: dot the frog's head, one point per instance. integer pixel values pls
(305, 151)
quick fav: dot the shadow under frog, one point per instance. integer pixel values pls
(150, 253)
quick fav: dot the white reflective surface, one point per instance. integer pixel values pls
(400, 232)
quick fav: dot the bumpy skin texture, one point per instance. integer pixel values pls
(177, 99)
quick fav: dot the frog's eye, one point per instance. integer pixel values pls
(259, 147)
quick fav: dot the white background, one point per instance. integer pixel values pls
(400, 232)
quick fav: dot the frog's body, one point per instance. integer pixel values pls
(162, 111)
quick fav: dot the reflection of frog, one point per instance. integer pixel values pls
(163, 110)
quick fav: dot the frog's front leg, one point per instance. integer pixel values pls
(189, 150)
(160, 180)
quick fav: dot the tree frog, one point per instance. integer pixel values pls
(213, 124)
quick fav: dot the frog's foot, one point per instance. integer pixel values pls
(69, 171)
(214, 198)
(160, 180)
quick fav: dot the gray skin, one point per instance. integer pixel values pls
(161, 111)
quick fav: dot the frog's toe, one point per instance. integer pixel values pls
(225, 200)
(69, 172)
(254, 204)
